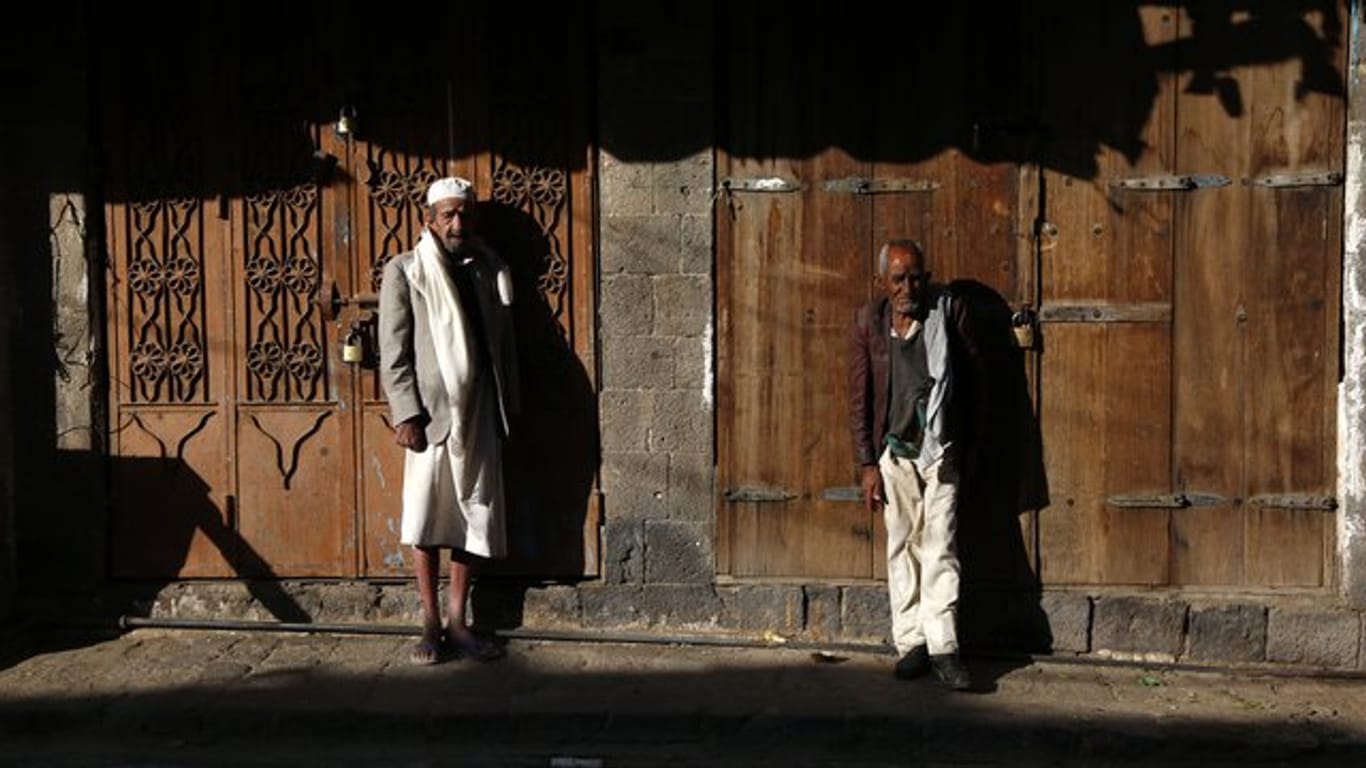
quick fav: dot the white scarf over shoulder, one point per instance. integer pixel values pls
(445, 320)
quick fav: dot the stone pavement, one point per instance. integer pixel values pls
(159, 697)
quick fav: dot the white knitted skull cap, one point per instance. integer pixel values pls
(450, 187)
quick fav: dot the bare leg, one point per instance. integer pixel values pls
(458, 633)
(425, 563)
(459, 595)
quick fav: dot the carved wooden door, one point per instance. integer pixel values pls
(246, 237)
(230, 407)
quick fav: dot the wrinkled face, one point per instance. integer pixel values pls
(905, 281)
(449, 221)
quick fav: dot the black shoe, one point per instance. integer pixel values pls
(916, 663)
(949, 672)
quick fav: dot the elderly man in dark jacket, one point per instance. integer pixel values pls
(907, 445)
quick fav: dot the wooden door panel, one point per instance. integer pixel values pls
(1109, 384)
(1289, 548)
(1290, 319)
(539, 218)
(807, 534)
(908, 214)
(381, 470)
(1106, 287)
(791, 286)
(169, 347)
(292, 492)
(1294, 275)
(1207, 546)
(170, 510)
(1257, 363)
(293, 414)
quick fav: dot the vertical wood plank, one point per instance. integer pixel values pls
(1212, 351)
(1293, 268)
(1258, 286)
(790, 274)
(1105, 390)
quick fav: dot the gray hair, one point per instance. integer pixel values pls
(903, 244)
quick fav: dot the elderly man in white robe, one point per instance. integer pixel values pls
(448, 366)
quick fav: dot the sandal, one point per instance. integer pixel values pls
(474, 647)
(426, 652)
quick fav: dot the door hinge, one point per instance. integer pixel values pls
(1309, 179)
(1293, 501)
(758, 493)
(1165, 183)
(858, 185)
(1097, 312)
(1165, 500)
(760, 184)
(843, 493)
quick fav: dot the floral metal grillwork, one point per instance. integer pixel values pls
(166, 361)
(397, 187)
(282, 270)
(543, 194)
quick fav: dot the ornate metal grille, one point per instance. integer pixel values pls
(529, 175)
(166, 360)
(397, 186)
(542, 193)
(283, 268)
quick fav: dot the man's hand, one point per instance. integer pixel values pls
(872, 487)
(410, 435)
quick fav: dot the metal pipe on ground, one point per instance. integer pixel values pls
(727, 641)
(548, 635)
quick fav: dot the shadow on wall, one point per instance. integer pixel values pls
(552, 456)
(231, 89)
(1054, 82)
(1000, 600)
(161, 520)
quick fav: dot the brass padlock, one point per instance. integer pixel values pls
(1022, 325)
(353, 348)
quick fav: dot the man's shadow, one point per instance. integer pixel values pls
(182, 527)
(552, 454)
(999, 608)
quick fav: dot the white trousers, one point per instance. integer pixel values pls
(921, 514)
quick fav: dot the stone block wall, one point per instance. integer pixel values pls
(1149, 628)
(655, 319)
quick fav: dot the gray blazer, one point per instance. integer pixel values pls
(408, 365)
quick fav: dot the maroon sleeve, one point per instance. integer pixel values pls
(860, 391)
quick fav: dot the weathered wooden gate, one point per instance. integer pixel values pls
(247, 227)
(1190, 299)
(827, 151)
(1160, 183)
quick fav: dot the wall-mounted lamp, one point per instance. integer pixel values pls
(346, 121)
